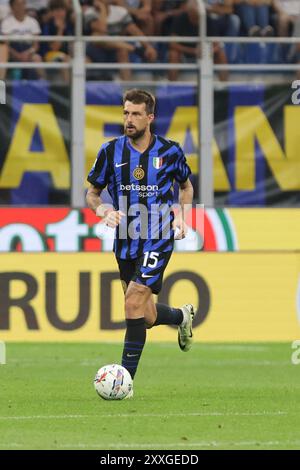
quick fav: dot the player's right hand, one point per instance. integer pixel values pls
(113, 218)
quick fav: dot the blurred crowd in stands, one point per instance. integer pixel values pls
(231, 18)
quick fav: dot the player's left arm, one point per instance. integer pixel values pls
(186, 194)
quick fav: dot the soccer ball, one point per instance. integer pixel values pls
(113, 382)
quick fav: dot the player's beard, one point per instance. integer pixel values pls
(135, 135)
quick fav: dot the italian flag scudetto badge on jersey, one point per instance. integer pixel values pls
(157, 162)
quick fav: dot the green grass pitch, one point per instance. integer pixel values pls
(217, 396)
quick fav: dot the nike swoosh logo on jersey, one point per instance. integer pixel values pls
(146, 275)
(121, 164)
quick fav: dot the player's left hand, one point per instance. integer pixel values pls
(181, 226)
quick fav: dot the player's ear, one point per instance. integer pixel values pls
(151, 118)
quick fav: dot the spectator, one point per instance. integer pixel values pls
(165, 11)
(19, 23)
(287, 12)
(140, 10)
(222, 22)
(255, 17)
(59, 24)
(105, 19)
(187, 24)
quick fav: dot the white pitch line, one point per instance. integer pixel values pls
(236, 347)
(166, 446)
(209, 363)
(145, 415)
(185, 444)
(245, 362)
(212, 363)
(20, 418)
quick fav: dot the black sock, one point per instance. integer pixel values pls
(134, 342)
(167, 315)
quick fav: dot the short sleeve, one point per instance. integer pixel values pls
(35, 27)
(126, 20)
(5, 28)
(182, 170)
(122, 16)
(98, 176)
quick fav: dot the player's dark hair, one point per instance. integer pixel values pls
(136, 96)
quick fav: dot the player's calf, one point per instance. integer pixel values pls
(135, 303)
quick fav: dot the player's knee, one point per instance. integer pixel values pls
(136, 298)
(133, 303)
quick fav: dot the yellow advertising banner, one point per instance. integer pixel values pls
(78, 297)
(266, 229)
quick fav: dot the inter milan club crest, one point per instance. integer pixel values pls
(157, 162)
(138, 173)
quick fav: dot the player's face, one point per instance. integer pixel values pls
(136, 120)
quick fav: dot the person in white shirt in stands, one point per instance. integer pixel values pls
(287, 13)
(19, 23)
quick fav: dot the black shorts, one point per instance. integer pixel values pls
(148, 269)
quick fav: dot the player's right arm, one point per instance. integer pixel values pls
(110, 217)
(99, 178)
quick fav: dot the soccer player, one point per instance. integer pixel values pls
(139, 169)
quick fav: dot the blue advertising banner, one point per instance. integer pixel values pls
(255, 146)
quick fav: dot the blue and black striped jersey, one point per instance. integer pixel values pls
(141, 186)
